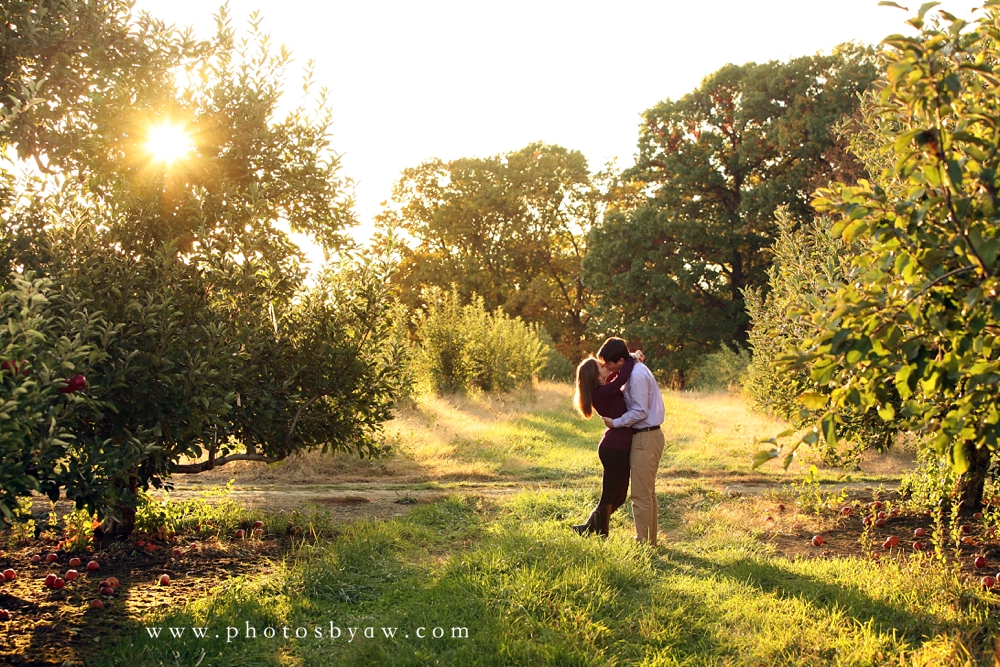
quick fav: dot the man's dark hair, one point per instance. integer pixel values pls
(614, 349)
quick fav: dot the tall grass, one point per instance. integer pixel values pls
(531, 592)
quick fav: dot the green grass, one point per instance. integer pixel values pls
(531, 592)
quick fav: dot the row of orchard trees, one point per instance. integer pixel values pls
(882, 314)
(157, 317)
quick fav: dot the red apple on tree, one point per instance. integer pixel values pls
(74, 384)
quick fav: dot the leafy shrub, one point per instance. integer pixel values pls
(724, 369)
(932, 483)
(467, 347)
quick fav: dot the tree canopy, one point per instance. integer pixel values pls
(919, 316)
(669, 273)
(509, 228)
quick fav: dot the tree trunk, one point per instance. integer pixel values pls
(971, 483)
(121, 526)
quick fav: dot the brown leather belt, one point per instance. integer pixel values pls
(648, 428)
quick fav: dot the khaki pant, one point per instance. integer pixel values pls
(647, 447)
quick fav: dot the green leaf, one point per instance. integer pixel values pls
(955, 173)
(887, 412)
(926, 7)
(814, 400)
(959, 459)
(763, 456)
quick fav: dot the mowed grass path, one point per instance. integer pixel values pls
(531, 437)
(528, 591)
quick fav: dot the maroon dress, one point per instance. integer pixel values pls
(609, 401)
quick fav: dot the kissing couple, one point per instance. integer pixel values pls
(623, 391)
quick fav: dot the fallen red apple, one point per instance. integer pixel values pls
(877, 505)
(867, 522)
(258, 524)
(966, 528)
(93, 566)
(767, 518)
(846, 511)
(9, 574)
(104, 584)
(107, 590)
(240, 534)
(75, 562)
(919, 532)
(918, 546)
(164, 580)
(880, 515)
(113, 582)
(4, 615)
(177, 552)
(259, 532)
(980, 562)
(58, 583)
(96, 604)
(36, 559)
(71, 575)
(818, 541)
(51, 558)
(880, 522)
(798, 526)
(928, 513)
(49, 580)
(988, 582)
(977, 515)
(890, 542)
(781, 507)
(894, 512)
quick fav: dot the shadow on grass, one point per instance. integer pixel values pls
(782, 583)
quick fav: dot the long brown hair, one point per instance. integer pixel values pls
(588, 375)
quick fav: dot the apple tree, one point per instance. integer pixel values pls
(918, 316)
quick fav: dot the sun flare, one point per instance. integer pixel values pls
(168, 142)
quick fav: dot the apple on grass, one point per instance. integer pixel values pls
(58, 583)
(71, 575)
(96, 604)
(4, 615)
(818, 541)
(113, 582)
(49, 580)
(988, 582)
(9, 574)
(919, 532)
(164, 580)
(51, 558)
(918, 546)
(107, 590)
(240, 534)
(75, 562)
(980, 562)
(36, 559)
(93, 566)
(890, 542)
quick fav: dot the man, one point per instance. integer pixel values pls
(644, 416)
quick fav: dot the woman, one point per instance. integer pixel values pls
(596, 390)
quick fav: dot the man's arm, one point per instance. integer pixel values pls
(638, 390)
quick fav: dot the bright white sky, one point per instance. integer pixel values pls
(419, 79)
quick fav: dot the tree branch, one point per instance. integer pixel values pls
(194, 468)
